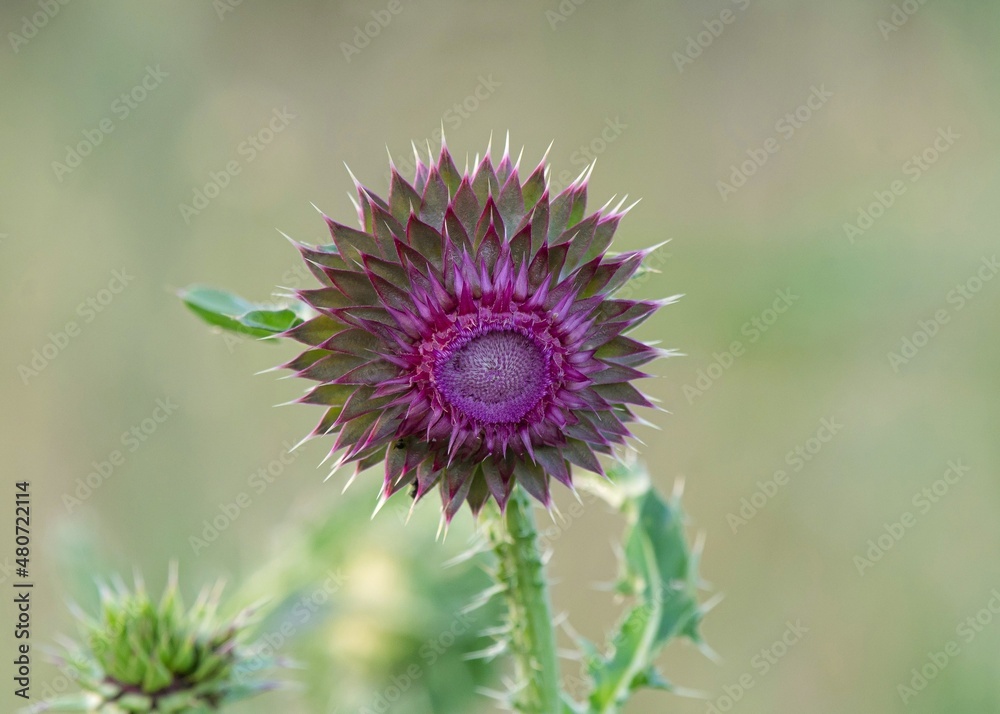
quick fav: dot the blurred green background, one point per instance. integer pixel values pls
(672, 98)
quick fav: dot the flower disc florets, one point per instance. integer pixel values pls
(492, 373)
(467, 335)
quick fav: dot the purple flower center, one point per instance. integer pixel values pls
(495, 377)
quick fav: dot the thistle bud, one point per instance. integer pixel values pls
(139, 656)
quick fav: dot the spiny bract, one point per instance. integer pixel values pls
(467, 334)
(142, 656)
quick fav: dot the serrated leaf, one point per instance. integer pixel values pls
(660, 570)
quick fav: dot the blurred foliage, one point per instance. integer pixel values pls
(368, 614)
(826, 356)
(376, 611)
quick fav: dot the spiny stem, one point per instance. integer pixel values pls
(533, 638)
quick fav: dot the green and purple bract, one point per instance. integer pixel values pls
(140, 655)
(468, 335)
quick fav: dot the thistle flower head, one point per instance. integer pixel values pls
(142, 656)
(467, 335)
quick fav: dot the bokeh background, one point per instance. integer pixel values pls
(672, 98)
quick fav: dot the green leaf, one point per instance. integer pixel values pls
(660, 570)
(233, 313)
(273, 321)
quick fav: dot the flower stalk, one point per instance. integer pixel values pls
(532, 639)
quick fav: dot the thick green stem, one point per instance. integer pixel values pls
(532, 638)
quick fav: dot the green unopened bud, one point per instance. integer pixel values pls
(139, 656)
